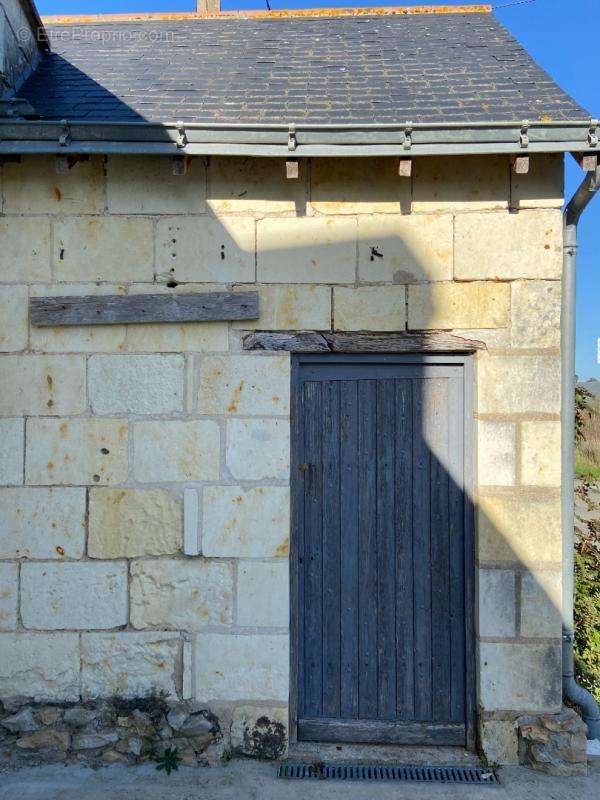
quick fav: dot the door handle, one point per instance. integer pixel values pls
(303, 467)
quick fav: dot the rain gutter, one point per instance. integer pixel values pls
(297, 140)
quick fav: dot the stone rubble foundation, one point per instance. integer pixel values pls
(554, 743)
(108, 732)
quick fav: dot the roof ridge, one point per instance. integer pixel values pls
(68, 19)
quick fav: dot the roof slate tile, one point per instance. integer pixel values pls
(431, 68)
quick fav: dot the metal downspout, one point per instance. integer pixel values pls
(571, 689)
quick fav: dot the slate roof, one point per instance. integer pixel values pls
(438, 68)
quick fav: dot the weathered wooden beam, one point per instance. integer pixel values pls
(10, 158)
(587, 161)
(291, 168)
(181, 165)
(65, 163)
(432, 342)
(405, 167)
(520, 165)
(117, 309)
(292, 342)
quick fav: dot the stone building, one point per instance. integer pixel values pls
(369, 435)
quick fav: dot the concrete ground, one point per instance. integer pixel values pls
(250, 780)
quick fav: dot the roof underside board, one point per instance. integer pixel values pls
(426, 68)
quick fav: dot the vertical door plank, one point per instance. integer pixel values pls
(297, 556)
(367, 527)
(349, 548)
(386, 550)
(313, 616)
(331, 548)
(403, 523)
(440, 551)
(458, 654)
(422, 548)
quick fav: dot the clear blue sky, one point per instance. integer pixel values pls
(562, 36)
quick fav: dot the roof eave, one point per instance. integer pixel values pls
(297, 140)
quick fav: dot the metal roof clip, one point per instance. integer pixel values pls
(181, 140)
(592, 134)
(292, 143)
(65, 137)
(407, 144)
(524, 135)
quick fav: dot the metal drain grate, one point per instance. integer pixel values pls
(371, 772)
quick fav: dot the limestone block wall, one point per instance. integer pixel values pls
(144, 508)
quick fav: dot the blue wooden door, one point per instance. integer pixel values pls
(382, 561)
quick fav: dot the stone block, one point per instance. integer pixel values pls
(285, 308)
(77, 338)
(188, 595)
(124, 523)
(358, 186)
(205, 249)
(173, 450)
(499, 742)
(241, 667)
(42, 523)
(258, 449)
(369, 308)
(8, 597)
(103, 249)
(35, 187)
(519, 529)
(12, 436)
(146, 185)
(493, 338)
(13, 318)
(540, 453)
(458, 305)
(76, 451)
(497, 603)
(245, 384)
(405, 248)
(25, 253)
(541, 603)
(464, 183)
(520, 677)
(84, 595)
(263, 594)
(39, 666)
(541, 187)
(50, 742)
(129, 664)
(535, 313)
(259, 731)
(255, 186)
(251, 523)
(519, 384)
(306, 250)
(506, 246)
(36, 384)
(21, 722)
(496, 453)
(136, 384)
(168, 337)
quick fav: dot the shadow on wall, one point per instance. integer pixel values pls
(517, 512)
(335, 204)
